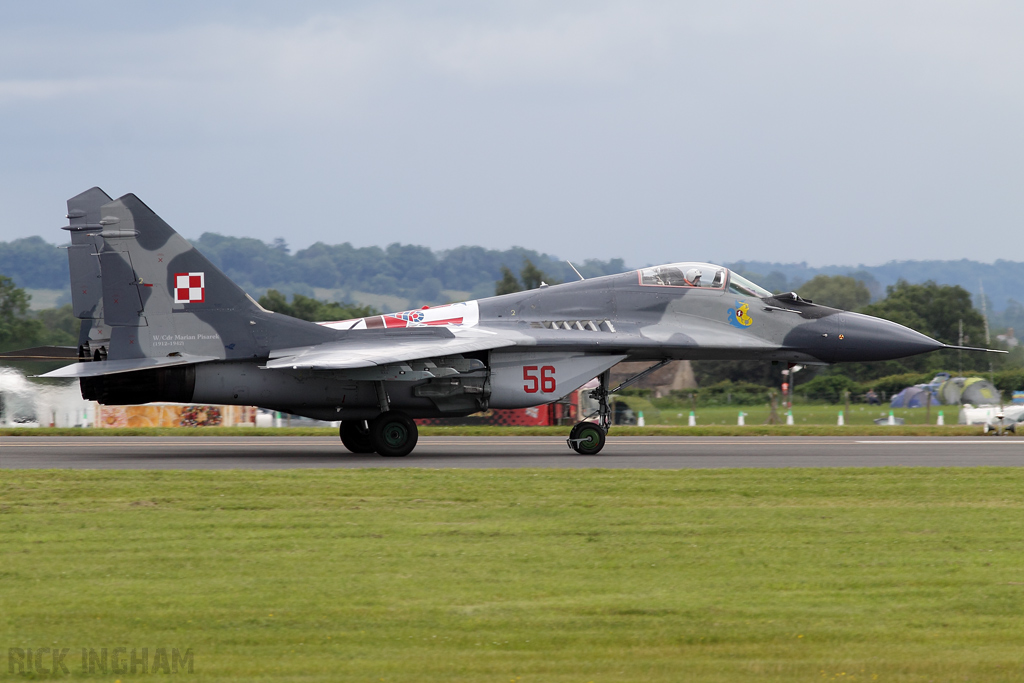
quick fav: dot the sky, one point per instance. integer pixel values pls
(825, 132)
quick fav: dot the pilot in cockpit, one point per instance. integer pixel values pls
(697, 275)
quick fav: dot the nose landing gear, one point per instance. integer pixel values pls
(587, 438)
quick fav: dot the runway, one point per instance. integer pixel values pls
(198, 452)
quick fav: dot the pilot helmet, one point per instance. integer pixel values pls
(693, 276)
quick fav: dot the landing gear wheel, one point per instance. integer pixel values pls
(586, 438)
(394, 434)
(355, 436)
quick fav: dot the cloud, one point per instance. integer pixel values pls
(703, 126)
(330, 61)
(15, 91)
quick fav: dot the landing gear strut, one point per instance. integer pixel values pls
(587, 438)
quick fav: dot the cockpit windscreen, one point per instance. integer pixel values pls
(744, 287)
(703, 275)
(684, 275)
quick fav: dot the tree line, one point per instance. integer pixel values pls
(416, 273)
(423, 276)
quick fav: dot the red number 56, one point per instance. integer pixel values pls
(545, 383)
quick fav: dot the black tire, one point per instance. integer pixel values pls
(355, 436)
(587, 438)
(394, 434)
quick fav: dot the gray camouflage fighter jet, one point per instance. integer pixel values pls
(161, 323)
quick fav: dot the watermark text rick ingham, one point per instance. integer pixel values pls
(88, 660)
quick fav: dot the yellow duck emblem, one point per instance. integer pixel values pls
(740, 316)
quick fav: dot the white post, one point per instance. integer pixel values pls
(841, 421)
(789, 417)
(640, 422)
(941, 421)
(892, 418)
(740, 421)
(693, 419)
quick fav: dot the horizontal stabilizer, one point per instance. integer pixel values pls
(350, 353)
(42, 353)
(113, 367)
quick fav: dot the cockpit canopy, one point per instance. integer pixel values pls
(702, 275)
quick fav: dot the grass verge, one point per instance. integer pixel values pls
(499, 575)
(804, 414)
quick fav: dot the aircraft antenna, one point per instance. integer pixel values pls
(988, 339)
(984, 311)
(574, 269)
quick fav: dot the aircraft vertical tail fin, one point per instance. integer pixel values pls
(159, 296)
(151, 270)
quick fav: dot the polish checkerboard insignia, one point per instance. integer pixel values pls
(189, 288)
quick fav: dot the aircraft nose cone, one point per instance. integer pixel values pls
(865, 338)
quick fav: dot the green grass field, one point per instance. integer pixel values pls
(524, 575)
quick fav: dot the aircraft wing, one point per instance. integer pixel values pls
(359, 352)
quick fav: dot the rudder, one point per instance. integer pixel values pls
(84, 266)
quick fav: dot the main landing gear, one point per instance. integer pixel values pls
(587, 438)
(391, 434)
(355, 436)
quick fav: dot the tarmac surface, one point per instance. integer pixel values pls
(198, 452)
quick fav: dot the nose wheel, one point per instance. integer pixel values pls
(586, 438)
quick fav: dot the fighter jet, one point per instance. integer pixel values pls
(160, 322)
